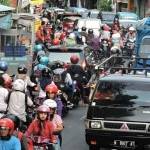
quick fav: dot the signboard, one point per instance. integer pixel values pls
(37, 24)
(24, 3)
(36, 2)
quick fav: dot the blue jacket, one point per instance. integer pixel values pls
(12, 144)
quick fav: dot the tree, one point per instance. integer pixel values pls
(104, 5)
(4, 2)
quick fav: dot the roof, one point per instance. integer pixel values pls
(4, 8)
(125, 77)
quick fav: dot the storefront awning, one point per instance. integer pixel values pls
(4, 8)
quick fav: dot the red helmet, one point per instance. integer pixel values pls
(51, 88)
(7, 81)
(43, 108)
(74, 59)
(8, 123)
(56, 41)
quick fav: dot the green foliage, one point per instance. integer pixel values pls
(4, 2)
(104, 5)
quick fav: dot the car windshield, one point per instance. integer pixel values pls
(128, 17)
(109, 17)
(64, 56)
(123, 93)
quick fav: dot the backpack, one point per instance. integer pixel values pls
(8, 99)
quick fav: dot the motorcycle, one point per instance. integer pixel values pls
(105, 48)
(130, 44)
(41, 143)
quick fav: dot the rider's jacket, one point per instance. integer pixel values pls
(46, 132)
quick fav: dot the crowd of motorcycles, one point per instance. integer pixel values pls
(111, 41)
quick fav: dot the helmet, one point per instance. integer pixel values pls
(74, 59)
(3, 66)
(56, 41)
(51, 88)
(38, 47)
(19, 85)
(22, 69)
(41, 67)
(72, 36)
(90, 31)
(83, 29)
(8, 123)
(14, 118)
(50, 103)
(43, 108)
(132, 29)
(46, 72)
(44, 60)
(7, 81)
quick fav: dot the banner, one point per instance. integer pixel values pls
(36, 2)
(6, 22)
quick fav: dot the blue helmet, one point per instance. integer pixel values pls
(38, 47)
(3, 66)
(44, 60)
(41, 67)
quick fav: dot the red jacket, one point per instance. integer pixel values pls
(46, 132)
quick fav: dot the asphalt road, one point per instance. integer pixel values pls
(73, 134)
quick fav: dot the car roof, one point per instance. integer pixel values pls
(127, 13)
(125, 77)
(76, 46)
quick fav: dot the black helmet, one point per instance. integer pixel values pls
(46, 72)
(14, 118)
(57, 65)
(22, 69)
(84, 29)
(90, 31)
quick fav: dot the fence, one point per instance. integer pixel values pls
(14, 51)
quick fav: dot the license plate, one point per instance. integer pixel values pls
(124, 144)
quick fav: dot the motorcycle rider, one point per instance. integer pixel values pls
(7, 140)
(77, 73)
(22, 74)
(52, 93)
(17, 133)
(41, 128)
(18, 101)
(130, 38)
(56, 120)
(3, 97)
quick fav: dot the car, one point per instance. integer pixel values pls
(118, 115)
(63, 54)
(89, 23)
(82, 11)
(127, 19)
(108, 17)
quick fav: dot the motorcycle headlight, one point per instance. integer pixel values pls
(95, 124)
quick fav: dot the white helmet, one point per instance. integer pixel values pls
(50, 103)
(131, 29)
(19, 85)
(72, 36)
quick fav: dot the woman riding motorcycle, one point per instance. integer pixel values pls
(41, 129)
